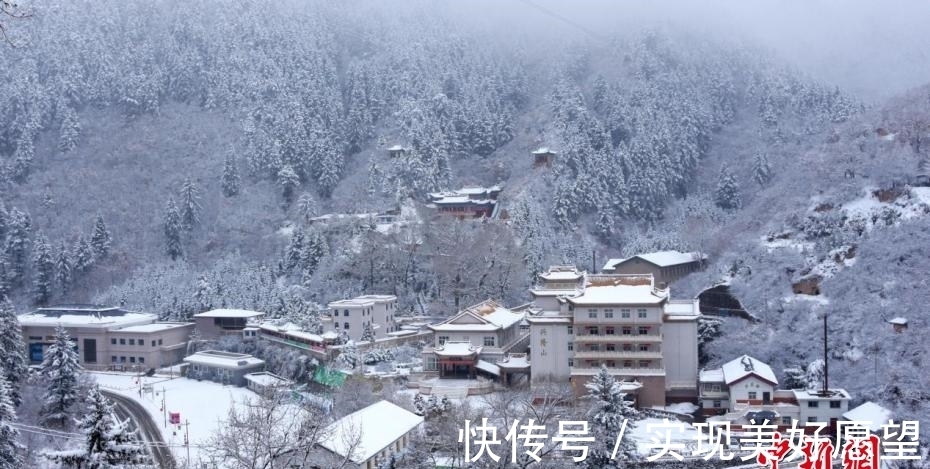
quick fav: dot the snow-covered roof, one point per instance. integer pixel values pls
(682, 310)
(741, 367)
(543, 151)
(351, 303)
(457, 349)
(85, 316)
(659, 258)
(219, 359)
(711, 376)
(514, 361)
(488, 367)
(620, 293)
(229, 313)
(814, 394)
(899, 321)
(155, 327)
(377, 298)
(373, 428)
(266, 379)
(553, 292)
(561, 275)
(396, 148)
(330, 335)
(482, 317)
(871, 413)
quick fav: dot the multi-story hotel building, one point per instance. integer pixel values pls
(580, 322)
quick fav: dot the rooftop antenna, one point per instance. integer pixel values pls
(593, 261)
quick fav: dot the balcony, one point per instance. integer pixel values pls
(617, 339)
(591, 371)
(630, 355)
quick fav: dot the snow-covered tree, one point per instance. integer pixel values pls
(761, 169)
(70, 129)
(349, 356)
(288, 181)
(60, 369)
(368, 333)
(172, 228)
(100, 239)
(83, 255)
(815, 372)
(708, 330)
(190, 204)
(10, 448)
(795, 378)
(63, 268)
(230, 181)
(607, 414)
(109, 444)
(727, 194)
(307, 206)
(43, 265)
(12, 350)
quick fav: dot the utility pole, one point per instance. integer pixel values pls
(187, 425)
(826, 367)
(164, 407)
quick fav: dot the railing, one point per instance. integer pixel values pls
(652, 354)
(618, 338)
(580, 370)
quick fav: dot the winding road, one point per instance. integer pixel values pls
(148, 430)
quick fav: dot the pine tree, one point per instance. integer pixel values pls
(202, 294)
(43, 265)
(288, 180)
(83, 255)
(190, 204)
(368, 333)
(230, 180)
(10, 448)
(173, 228)
(727, 194)
(18, 228)
(70, 130)
(100, 239)
(22, 159)
(109, 444)
(60, 368)
(307, 206)
(607, 415)
(314, 250)
(4, 275)
(761, 170)
(63, 266)
(12, 350)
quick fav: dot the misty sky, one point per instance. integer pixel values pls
(874, 49)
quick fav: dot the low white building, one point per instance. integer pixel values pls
(223, 367)
(218, 323)
(744, 380)
(365, 438)
(665, 266)
(872, 414)
(267, 382)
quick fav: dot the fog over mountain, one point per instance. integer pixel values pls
(177, 156)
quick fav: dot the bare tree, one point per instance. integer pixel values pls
(268, 433)
(10, 10)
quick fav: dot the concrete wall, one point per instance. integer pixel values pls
(680, 355)
(739, 391)
(549, 352)
(140, 355)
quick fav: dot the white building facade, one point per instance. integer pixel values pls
(353, 315)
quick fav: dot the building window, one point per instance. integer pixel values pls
(812, 419)
(812, 404)
(594, 363)
(592, 315)
(834, 404)
(345, 313)
(611, 364)
(159, 341)
(122, 341)
(592, 310)
(571, 346)
(337, 325)
(643, 347)
(132, 359)
(628, 363)
(627, 348)
(113, 341)
(592, 330)
(122, 359)
(717, 404)
(627, 331)
(609, 330)
(113, 358)
(643, 330)
(132, 341)
(714, 388)
(608, 314)
(153, 342)
(141, 342)
(571, 363)
(345, 325)
(752, 395)
(141, 359)
(644, 363)
(786, 420)
(641, 313)
(594, 348)
(625, 313)
(489, 341)
(610, 347)
(571, 330)
(443, 339)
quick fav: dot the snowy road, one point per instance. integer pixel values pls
(148, 429)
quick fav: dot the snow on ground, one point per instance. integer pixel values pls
(652, 433)
(812, 298)
(202, 403)
(922, 194)
(682, 408)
